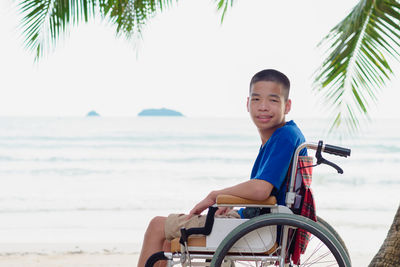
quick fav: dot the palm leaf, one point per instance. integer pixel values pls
(45, 20)
(357, 65)
(131, 15)
(222, 6)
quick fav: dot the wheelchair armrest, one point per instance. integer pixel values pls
(206, 230)
(228, 200)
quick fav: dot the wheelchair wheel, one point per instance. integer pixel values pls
(323, 248)
(333, 232)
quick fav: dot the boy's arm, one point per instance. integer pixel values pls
(254, 189)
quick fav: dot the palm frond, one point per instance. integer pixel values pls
(45, 20)
(131, 15)
(357, 67)
(222, 6)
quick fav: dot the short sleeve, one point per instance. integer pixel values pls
(275, 161)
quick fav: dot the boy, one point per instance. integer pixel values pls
(268, 103)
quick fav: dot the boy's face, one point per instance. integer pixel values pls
(267, 106)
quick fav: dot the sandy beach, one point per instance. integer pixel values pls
(68, 254)
(69, 259)
(104, 259)
(90, 255)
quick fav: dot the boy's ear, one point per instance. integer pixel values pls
(247, 104)
(288, 106)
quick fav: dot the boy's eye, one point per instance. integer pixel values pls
(255, 99)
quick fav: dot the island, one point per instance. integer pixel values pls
(92, 113)
(159, 112)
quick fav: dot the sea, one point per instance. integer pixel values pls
(76, 184)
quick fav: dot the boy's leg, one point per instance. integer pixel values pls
(154, 239)
(162, 228)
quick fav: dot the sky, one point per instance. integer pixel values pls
(187, 60)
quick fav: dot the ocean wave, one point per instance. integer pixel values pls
(53, 170)
(127, 139)
(139, 159)
(77, 209)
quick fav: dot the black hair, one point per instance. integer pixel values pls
(271, 75)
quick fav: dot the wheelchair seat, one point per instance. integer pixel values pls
(222, 226)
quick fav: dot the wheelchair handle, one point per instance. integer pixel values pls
(337, 150)
(330, 149)
(320, 147)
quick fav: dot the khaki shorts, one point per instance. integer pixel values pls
(175, 222)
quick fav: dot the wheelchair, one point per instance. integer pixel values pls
(270, 239)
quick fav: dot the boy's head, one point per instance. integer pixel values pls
(271, 75)
(268, 101)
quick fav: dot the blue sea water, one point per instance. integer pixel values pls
(100, 180)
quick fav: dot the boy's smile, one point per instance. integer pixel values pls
(267, 107)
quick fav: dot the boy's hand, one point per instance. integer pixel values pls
(223, 210)
(202, 205)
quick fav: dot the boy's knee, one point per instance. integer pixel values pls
(157, 224)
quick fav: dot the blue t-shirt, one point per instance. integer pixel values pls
(274, 158)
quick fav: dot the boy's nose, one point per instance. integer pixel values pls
(264, 105)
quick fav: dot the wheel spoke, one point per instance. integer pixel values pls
(323, 249)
